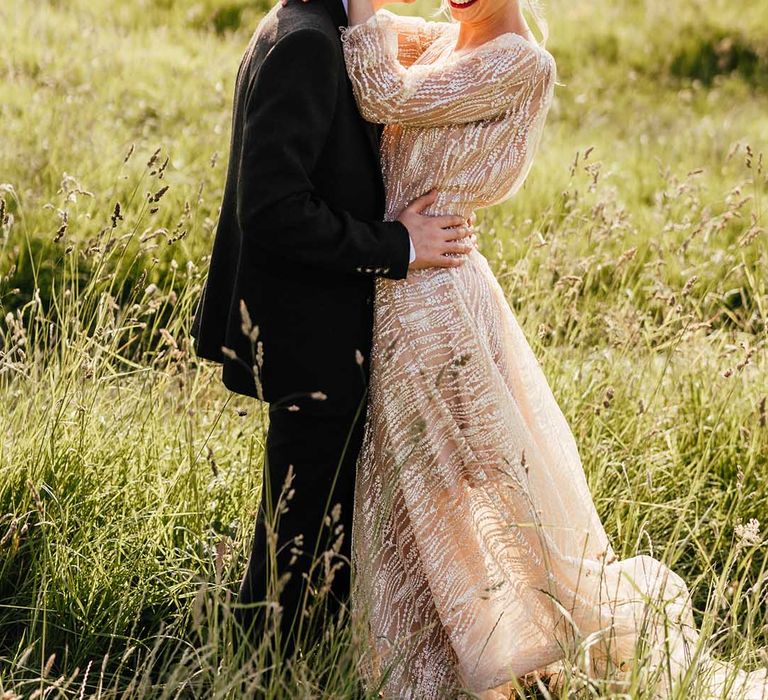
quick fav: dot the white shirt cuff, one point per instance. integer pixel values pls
(413, 251)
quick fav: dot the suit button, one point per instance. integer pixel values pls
(369, 300)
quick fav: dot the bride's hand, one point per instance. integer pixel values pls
(360, 11)
(377, 4)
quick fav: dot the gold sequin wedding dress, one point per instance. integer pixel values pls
(478, 555)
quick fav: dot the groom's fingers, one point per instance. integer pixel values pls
(458, 247)
(456, 234)
(421, 203)
(452, 222)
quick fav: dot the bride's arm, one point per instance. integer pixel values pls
(414, 34)
(480, 85)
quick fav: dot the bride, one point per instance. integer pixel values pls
(478, 555)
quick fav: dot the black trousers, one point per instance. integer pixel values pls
(307, 519)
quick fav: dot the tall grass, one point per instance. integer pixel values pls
(634, 258)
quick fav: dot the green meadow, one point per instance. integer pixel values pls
(635, 258)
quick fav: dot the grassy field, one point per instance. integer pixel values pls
(635, 258)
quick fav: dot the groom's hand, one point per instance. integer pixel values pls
(439, 241)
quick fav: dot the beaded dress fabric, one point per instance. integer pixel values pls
(478, 555)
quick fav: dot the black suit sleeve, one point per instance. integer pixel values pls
(288, 113)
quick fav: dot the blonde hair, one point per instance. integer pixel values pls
(533, 7)
(536, 9)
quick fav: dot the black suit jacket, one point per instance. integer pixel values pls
(300, 237)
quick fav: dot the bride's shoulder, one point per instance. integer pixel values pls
(514, 49)
(519, 44)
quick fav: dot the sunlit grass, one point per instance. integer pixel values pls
(634, 258)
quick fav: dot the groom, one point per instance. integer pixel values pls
(287, 306)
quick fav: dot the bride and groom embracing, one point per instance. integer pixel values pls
(414, 443)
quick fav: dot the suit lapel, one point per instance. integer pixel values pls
(339, 16)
